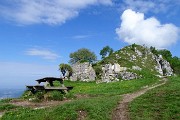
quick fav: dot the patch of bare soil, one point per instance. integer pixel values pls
(39, 105)
(81, 115)
(79, 96)
(121, 111)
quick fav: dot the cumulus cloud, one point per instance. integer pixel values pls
(45, 11)
(135, 28)
(45, 54)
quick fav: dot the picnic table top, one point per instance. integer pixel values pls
(49, 79)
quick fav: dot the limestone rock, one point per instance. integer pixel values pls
(128, 75)
(138, 52)
(136, 68)
(113, 72)
(163, 67)
(83, 72)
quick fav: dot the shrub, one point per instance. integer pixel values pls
(55, 95)
(40, 95)
(69, 95)
(98, 70)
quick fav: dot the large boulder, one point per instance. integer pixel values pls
(83, 72)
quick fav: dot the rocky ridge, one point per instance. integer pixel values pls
(131, 62)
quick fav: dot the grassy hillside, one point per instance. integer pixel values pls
(132, 55)
(160, 103)
(102, 99)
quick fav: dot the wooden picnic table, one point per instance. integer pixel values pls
(50, 80)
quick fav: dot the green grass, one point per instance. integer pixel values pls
(114, 88)
(96, 108)
(2, 101)
(5, 106)
(104, 98)
(160, 103)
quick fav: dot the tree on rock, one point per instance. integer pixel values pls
(82, 55)
(64, 68)
(154, 51)
(106, 51)
(166, 54)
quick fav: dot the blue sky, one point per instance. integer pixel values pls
(36, 36)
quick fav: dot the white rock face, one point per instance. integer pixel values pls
(117, 68)
(128, 75)
(136, 68)
(83, 72)
(138, 52)
(113, 72)
(163, 67)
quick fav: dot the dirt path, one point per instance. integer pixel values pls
(38, 105)
(121, 111)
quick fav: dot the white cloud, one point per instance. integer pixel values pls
(80, 36)
(139, 5)
(136, 29)
(151, 5)
(45, 11)
(45, 54)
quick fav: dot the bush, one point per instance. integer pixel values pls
(55, 95)
(70, 95)
(98, 70)
(27, 94)
(40, 95)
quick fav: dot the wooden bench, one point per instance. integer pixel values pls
(39, 87)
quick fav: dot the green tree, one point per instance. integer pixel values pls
(133, 46)
(82, 55)
(166, 54)
(153, 50)
(175, 64)
(106, 51)
(64, 68)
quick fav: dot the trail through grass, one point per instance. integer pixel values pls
(160, 103)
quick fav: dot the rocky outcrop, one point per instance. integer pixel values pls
(163, 67)
(114, 72)
(123, 65)
(110, 73)
(128, 75)
(83, 72)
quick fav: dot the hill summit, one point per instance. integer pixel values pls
(131, 62)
